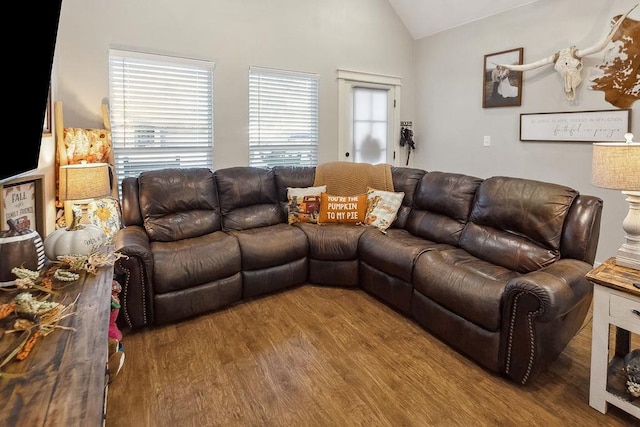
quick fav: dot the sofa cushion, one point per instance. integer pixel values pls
(517, 223)
(203, 259)
(248, 198)
(463, 284)
(304, 204)
(266, 247)
(395, 252)
(442, 205)
(342, 209)
(382, 208)
(178, 203)
(332, 242)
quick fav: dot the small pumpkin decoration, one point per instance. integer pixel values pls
(77, 239)
(19, 247)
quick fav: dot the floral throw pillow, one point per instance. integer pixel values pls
(342, 209)
(106, 214)
(304, 204)
(382, 208)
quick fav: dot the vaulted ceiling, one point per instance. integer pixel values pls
(426, 17)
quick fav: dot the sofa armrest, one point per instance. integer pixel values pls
(135, 272)
(541, 312)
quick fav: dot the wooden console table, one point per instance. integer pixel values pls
(64, 382)
(615, 302)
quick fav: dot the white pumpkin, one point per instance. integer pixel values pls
(77, 239)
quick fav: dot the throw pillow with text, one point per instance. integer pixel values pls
(342, 209)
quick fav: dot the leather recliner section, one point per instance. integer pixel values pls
(493, 267)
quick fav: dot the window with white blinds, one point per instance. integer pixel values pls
(161, 112)
(283, 118)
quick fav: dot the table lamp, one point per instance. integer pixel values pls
(616, 165)
(82, 182)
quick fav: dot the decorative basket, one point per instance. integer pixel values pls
(632, 369)
(19, 247)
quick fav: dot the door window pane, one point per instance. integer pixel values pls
(370, 125)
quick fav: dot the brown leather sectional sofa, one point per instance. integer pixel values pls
(493, 267)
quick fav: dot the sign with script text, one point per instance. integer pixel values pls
(576, 126)
(19, 204)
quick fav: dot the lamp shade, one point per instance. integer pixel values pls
(84, 181)
(616, 165)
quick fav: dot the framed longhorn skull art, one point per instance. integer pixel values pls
(502, 87)
(568, 61)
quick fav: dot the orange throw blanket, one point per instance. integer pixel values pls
(347, 178)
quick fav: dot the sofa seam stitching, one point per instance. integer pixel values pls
(531, 338)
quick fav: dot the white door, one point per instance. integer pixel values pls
(368, 118)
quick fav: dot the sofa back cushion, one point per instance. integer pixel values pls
(405, 180)
(582, 229)
(294, 177)
(248, 198)
(517, 223)
(441, 207)
(177, 204)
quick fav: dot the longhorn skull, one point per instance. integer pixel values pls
(568, 62)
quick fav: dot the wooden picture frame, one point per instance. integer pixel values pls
(23, 201)
(576, 126)
(46, 127)
(502, 87)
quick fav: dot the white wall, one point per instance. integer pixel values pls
(450, 122)
(301, 35)
(442, 74)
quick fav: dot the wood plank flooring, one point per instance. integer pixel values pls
(322, 356)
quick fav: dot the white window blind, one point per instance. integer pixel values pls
(283, 118)
(161, 112)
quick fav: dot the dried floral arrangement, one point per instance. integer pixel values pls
(31, 314)
(89, 263)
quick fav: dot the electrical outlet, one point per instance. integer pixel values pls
(487, 141)
(406, 124)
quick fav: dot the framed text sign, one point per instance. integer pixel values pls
(22, 202)
(576, 126)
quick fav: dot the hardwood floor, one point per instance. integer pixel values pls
(322, 356)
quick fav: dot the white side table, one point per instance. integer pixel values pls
(615, 302)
